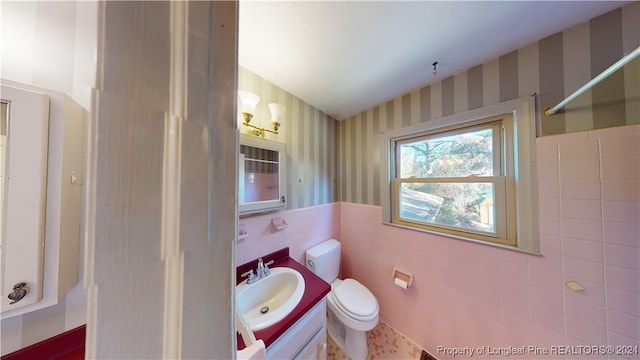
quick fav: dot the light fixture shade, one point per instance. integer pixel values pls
(248, 102)
(277, 112)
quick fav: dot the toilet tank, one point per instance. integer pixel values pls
(324, 259)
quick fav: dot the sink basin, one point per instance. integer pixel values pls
(270, 299)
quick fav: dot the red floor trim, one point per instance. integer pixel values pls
(68, 346)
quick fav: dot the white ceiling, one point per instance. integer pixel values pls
(344, 57)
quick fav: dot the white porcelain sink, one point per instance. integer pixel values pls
(270, 299)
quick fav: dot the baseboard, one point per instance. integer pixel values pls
(68, 345)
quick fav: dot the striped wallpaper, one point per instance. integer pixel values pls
(553, 68)
(311, 139)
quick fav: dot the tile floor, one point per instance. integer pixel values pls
(384, 343)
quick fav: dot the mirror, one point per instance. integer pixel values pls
(261, 175)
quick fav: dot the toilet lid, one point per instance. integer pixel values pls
(356, 298)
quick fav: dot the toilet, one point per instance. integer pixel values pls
(352, 309)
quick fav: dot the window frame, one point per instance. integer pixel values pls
(517, 157)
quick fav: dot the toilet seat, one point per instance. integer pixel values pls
(355, 300)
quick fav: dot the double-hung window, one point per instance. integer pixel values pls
(464, 177)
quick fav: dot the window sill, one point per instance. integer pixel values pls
(456, 237)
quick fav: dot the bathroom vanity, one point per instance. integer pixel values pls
(302, 333)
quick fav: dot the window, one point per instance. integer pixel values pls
(469, 176)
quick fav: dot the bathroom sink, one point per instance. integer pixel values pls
(270, 299)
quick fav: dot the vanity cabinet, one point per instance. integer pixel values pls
(306, 339)
(261, 175)
(41, 173)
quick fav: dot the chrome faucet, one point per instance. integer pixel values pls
(262, 271)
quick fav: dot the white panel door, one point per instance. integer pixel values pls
(24, 196)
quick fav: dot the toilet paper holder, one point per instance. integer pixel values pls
(403, 276)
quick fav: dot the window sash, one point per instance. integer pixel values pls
(498, 134)
(499, 184)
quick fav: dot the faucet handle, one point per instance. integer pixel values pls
(251, 277)
(266, 271)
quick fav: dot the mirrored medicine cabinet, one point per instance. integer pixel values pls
(262, 175)
(41, 177)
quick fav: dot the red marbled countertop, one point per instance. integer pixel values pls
(314, 290)
(70, 345)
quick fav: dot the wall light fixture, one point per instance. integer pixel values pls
(248, 102)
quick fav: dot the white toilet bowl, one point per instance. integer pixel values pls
(356, 310)
(351, 308)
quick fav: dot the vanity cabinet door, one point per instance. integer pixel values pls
(23, 194)
(303, 340)
(316, 349)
